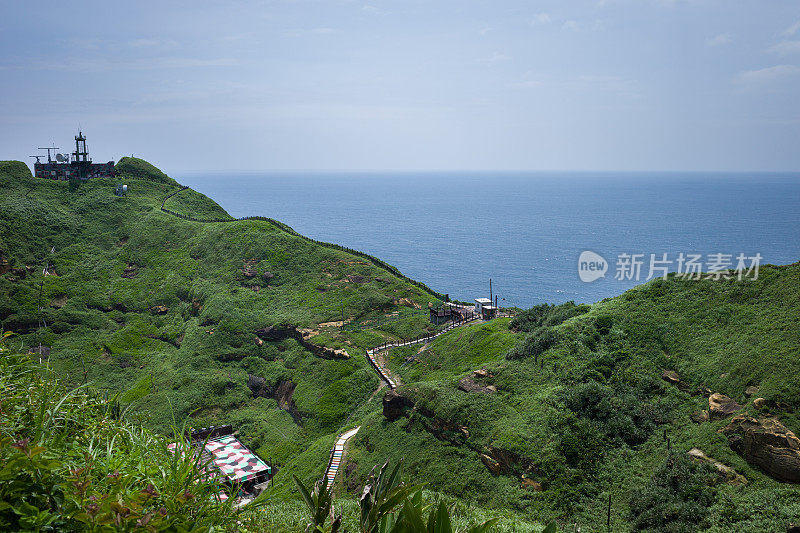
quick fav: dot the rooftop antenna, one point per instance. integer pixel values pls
(49, 160)
(37, 158)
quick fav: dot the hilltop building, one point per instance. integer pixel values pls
(76, 166)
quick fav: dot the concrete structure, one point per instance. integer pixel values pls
(484, 308)
(79, 166)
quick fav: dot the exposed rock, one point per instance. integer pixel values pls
(699, 417)
(670, 376)
(531, 484)
(5, 265)
(267, 275)
(491, 464)
(249, 268)
(282, 393)
(470, 385)
(42, 350)
(512, 463)
(766, 443)
(481, 373)
(353, 278)
(732, 477)
(721, 406)
(408, 302)
(285, 331)
(750, 391)
(130, 271)
(395, 405)
(759, 403)
(59, 301)
(159, 309)
(255, 288)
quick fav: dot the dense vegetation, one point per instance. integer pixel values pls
(549, 415)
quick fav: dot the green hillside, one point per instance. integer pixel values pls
(176, 314)
(554, 414)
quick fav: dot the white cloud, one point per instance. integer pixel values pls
(540, 19)
(577, 25)
(496, 58)
(786, 47)
(791, 30)
(719, 40)
(767, 75)
(532, 84)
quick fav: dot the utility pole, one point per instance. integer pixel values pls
(490, 291)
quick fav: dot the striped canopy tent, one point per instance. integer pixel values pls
(231, 459)
(234, 460)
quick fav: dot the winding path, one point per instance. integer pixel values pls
(337, 454)
(389, 345)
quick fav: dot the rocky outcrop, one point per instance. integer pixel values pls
(720, 406)
(751, 391)
(470, 385)
(285, 331)
(698, 417)
(159, 309)
(766, 443)
(526, 483)
(493, 466)
(281, 392)
(130, 271)
(731, 476)
(5, 264)
(672, 377)
(395, 405)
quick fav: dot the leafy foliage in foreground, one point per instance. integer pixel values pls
(388, 506)
(68, 461)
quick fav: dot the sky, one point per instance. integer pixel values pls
(406, 85)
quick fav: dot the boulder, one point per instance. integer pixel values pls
(721, 406)
(699, 417)
(731, 476)
(750, 391)
(765, 442)
(159, 309)
(759, 403)
(481, 373)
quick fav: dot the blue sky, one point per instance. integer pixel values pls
(404, 85)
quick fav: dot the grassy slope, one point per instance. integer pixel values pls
(725, 335)
(190, 361)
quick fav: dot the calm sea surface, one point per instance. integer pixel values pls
(525, 231)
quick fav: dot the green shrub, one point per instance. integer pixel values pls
(677, 497)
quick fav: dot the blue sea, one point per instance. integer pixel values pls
(455, 231)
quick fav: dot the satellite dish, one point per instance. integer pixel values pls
(60, 158)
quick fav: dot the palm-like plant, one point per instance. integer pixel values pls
(320, 504)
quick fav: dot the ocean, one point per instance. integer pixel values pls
(525, 231)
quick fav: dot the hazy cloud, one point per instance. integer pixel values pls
(540, 19)
(767, 75)
(786, 48)
(496, 58)
(791, 30)
(719, 40)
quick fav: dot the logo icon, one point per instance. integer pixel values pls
(591, 266)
